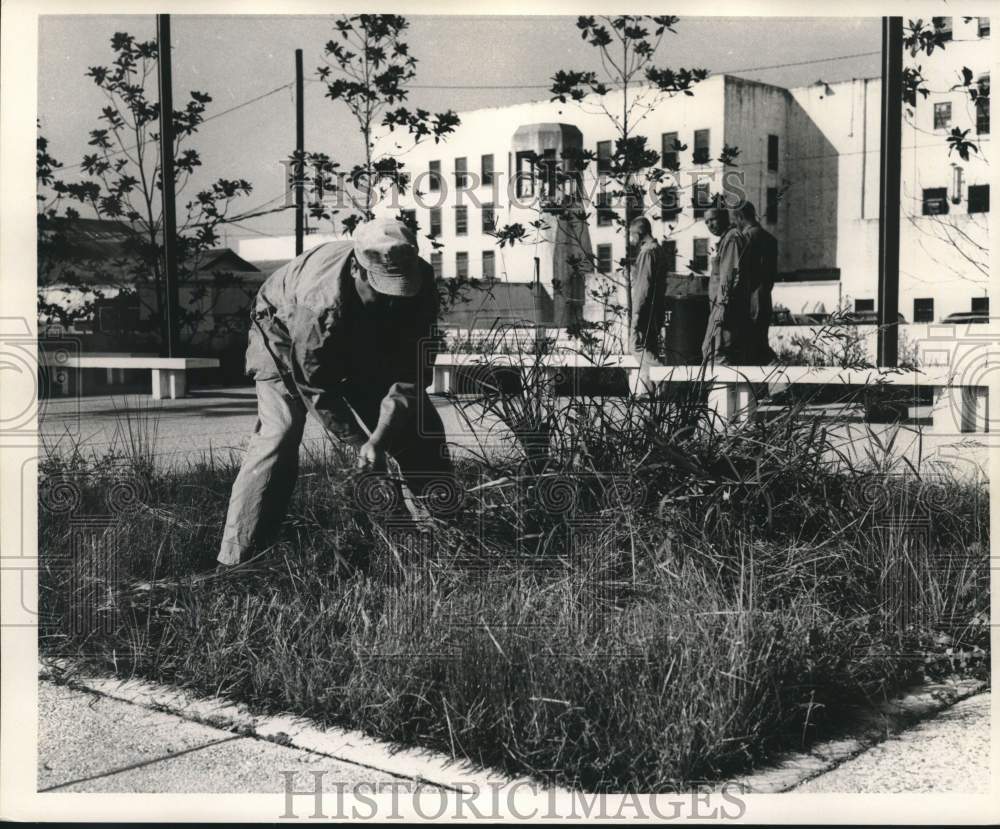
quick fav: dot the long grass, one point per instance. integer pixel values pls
(627, 601)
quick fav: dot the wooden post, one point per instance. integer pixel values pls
(890, 161)
(300, 130)
(171, 320)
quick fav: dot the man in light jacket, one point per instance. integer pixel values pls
(649, 284)
(728, 336)
(343, 331)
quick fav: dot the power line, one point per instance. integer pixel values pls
(252, 230)
(203, 121)
(247, 103)
(720, 72)
(288, 85)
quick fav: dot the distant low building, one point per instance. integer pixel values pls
(87, 289)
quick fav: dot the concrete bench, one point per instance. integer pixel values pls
(447, 365)
(169, 373)
(958, 406)
(734, 391)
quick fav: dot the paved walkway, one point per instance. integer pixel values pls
(949, 753)
(90, 743)
(220, 421)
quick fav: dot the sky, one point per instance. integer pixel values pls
(236, 58)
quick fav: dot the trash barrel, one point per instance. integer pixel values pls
(684, 328)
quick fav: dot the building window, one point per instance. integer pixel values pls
(603, 157)
(489, 264)
(699, 255)
(772, 153)
(486, 167)
(983, 106)
(942, 26)
(701, 198)
(435, 180)
(525, 174)
(701, 147)
(935, 201)
(923, 310)
(605, 212)
(461, 220)
(669, 248)
(437, 264)
(409, 218)
(979, 198)
(980, 305)
(462, 265)
(435, 221)
(984, 27)
(461, 171)
(670, 204)
(771, 212)
(668, 150)
(942, 115)
(548, 166)
(604, 263)
(863, 305)
(489, 218)
(635, 205)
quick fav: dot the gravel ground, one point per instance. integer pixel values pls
(949, 753)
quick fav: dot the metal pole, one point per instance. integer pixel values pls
(299, 155)
(890, 161)
(539, 316)
(169, 218)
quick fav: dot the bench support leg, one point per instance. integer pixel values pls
(960, 410)
(734, 402)
(441, 380)
(62, 377)
(169, 383)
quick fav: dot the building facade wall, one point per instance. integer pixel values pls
(825, 185)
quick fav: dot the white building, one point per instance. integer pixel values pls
(832, 201)
(481, 174)
(808, 159)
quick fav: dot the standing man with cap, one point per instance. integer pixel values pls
(649, 283)
(342, 331)
(759, 267)
(728, 334)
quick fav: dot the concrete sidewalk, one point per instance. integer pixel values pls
(221, 421)
(92, 743)
(216, 421)
(947, 753)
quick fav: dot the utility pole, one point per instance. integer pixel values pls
(171, 320)
(890, 161)
(300, 131)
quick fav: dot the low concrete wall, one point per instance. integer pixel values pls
(925, 344)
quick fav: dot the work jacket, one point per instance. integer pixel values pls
(311, 330)
(649, 283)
(727, 296)
(759, 266)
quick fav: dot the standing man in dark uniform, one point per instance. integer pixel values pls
(759, 266)
(649, 285)
(344, 332)
(728, 336)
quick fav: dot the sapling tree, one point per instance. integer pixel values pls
(634, 178)
(368, 67)
(121, 182)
